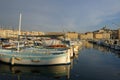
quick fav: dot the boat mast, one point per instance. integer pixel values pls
(19, 33)
(20, 24)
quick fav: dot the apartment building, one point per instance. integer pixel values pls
(4, 33)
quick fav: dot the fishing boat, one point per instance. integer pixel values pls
(34, 56)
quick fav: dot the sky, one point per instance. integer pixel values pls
(60, 15)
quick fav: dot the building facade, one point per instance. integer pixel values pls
(101, 35)
(71, 35)
(84, 36)
(4, 33)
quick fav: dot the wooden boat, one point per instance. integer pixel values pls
(35, 57)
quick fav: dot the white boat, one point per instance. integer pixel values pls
(35, 57)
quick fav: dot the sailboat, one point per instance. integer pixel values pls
(34, 56)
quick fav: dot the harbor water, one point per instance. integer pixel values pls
(92, 63)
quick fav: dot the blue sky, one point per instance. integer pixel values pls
(58, 15)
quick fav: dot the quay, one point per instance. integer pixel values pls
(109, 43)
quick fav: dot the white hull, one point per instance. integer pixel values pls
(35, 58)
(60, 60)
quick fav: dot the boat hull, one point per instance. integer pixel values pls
(53, 61)
(34, 59)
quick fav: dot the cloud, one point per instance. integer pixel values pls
(99, 13)
(77, 15)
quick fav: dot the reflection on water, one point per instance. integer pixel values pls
(86, 44)
(101, 48)
(56, 71)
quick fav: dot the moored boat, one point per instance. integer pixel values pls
(35, 57)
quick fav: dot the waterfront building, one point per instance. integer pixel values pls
(54, 33)
(36, 33)
(115, 34)
(119, 34)
(87, 35)
(71, 35)
(98, 36)
(8, 33)
(82, 36)
(2, 33)
(103, 33)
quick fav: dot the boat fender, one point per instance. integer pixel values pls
(12, 61)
